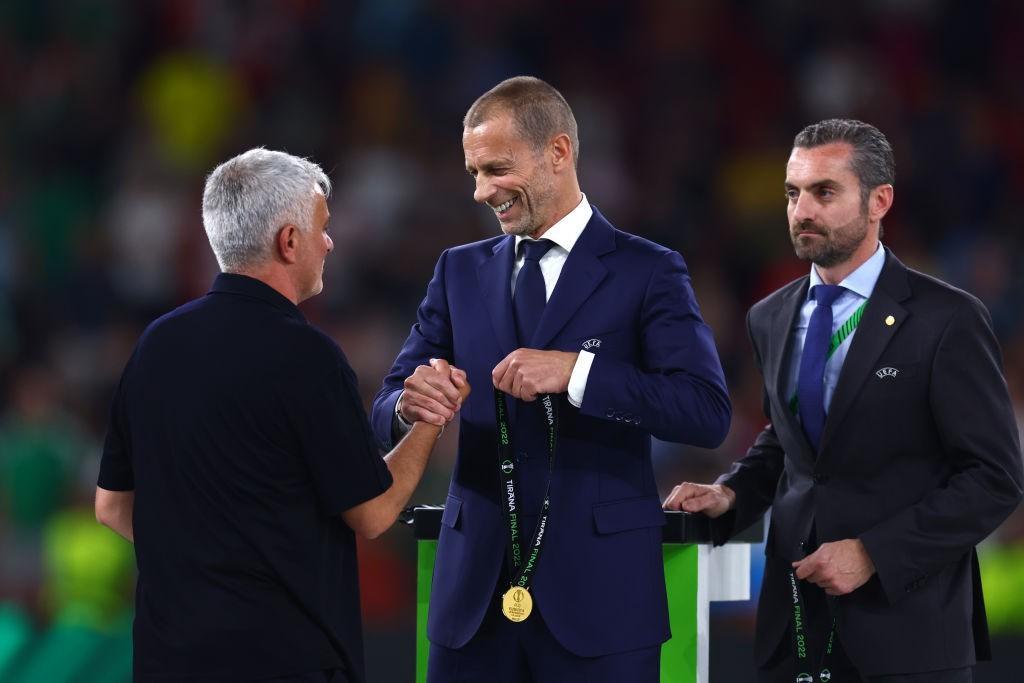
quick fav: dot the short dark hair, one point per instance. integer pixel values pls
(872, 160)
(537, 109)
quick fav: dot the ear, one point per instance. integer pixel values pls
(287, 243)
(879, 202)
(561, 153)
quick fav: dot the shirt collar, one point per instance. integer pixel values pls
(234, 283)
(565, 232)
(861, 281)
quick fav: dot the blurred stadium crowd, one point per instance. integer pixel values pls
(111, 114)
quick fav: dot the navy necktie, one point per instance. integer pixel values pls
(810, 385)
(529, 298)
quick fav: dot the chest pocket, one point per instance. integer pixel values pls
(616, 343)
(896, 381)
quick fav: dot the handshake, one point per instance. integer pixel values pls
(434, 393)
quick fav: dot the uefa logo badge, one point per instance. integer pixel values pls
(507, 466)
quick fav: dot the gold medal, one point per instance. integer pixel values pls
(516, 604)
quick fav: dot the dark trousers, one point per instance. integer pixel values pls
(527, 652)
(781, 668)
(325, 676)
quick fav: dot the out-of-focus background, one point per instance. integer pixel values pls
(112, 112)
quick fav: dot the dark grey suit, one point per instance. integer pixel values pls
(921, 463)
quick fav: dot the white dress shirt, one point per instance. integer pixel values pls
(858, 287)
(564, 234)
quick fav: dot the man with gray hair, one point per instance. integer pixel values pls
(239, 459)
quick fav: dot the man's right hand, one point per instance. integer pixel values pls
(433, 393)
(714, 500)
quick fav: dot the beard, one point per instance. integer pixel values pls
(829, 246)
(523, 227)
(533, 206)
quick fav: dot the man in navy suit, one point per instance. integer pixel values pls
(891, 448)
(602, 329)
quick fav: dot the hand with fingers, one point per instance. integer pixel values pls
(714, 500)
(433, 393)
(528, 373)
(839, 567)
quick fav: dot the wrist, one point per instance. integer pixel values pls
(730, 495)
(398, 411)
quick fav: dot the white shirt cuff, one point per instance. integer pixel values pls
(578, 378)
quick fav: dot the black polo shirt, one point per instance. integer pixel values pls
(241, 431)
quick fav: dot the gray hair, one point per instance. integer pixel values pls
(872, 159)
(250, 197)
(537, 109)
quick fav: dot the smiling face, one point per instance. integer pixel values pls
(514, 179)
(829, 222)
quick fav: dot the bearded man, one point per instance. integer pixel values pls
(891, 448)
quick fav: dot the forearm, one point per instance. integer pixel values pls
(430, 337)
(753, 479)
(407, 461)
(114, 509)
(681, 407)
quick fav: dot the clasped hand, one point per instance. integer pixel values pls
(434, 393)
(528, 373)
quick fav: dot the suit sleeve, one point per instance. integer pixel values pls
(430, 337)
(755, 477)
(972, 411)
(678, 394)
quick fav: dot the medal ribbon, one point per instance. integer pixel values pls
(844, 331)
(522, 569)
(801, 646)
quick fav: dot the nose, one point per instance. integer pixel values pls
(330, 243)
(803, 208)
(484, 189)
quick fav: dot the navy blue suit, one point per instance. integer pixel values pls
(600, 584)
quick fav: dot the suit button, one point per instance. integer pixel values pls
(609, 413)
(820, 478)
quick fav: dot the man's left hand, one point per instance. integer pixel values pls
(839, 568)
(526, 373)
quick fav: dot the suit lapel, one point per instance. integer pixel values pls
(580, 276)
(779, 351)
(495, 278)
(872, 336)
